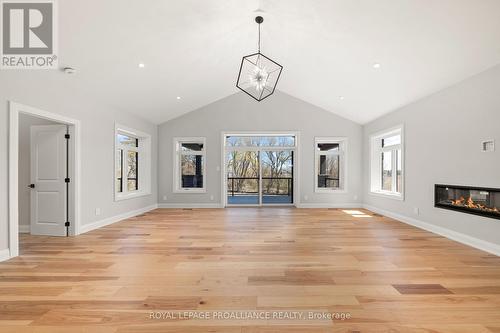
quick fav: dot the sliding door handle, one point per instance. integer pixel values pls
(31, 185)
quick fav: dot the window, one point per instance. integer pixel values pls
(330, 164)
(132, 163)
(387, 163)
(260, 141)
(189, 170)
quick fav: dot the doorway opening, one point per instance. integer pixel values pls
(259, 169)
(43, 174)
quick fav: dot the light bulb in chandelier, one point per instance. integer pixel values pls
(259, 78)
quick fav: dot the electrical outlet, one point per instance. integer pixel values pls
(97, 211)
(306, 198)
(164, 198)
(355, 197)
(416, 211)
(212, 198)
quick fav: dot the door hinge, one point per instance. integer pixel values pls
(66, 224)
(67, 136)
(66, 180)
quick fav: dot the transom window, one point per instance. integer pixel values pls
(260, 141)
(330, 164)
(132, 163)
(189, 164)
(387, 163)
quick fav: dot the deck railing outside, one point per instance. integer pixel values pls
(325, 181)
(238, 188)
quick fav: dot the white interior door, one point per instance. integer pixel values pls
(48, 173)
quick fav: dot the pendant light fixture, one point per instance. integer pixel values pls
(258, 74)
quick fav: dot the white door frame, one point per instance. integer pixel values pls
(296, 164)
(75, 131)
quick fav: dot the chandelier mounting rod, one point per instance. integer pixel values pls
(259, 20)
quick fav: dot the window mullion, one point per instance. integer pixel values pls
(394, 164)
(124, 171)
(179, 168)
(381, 165)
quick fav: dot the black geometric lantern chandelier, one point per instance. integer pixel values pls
(258, 74)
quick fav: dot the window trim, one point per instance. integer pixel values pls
(178, 141)
(375, 167)
(343, 153)
(144, 162)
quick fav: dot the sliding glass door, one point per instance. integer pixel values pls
(277, 177)
(259, 170)
(243, 178)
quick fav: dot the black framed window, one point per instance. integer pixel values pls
(119, 170)
(190, 164)
(330, 164)
(127, 163)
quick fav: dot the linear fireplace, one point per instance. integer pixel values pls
(473, 200)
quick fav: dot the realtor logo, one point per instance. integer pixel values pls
(28, 34)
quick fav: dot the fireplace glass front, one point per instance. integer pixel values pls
(472, 200)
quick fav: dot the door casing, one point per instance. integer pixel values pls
(74, 166)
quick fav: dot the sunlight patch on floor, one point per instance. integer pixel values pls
(356, 213)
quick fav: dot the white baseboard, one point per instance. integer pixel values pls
(24, 228)
(329, 205)
(299, 205)
(190, 205)
(450, 234)
(110, 220)
(4, 254)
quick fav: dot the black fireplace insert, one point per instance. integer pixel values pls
(473, 200)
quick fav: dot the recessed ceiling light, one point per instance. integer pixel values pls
(178, 97)
(141, 65)
(341, 98)
(376, 65)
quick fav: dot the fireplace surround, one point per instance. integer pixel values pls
(481, 201)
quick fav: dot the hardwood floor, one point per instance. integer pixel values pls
(385, 275)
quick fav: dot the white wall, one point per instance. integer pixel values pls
(25, 123)
(443, 134)
(56, 93)
(280, 112)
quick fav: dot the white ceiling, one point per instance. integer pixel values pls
(193, 49)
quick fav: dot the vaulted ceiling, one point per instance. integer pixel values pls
(193, 48)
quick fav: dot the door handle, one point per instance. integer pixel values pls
(31, 185)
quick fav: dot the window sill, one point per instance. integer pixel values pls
(389, 195)
(121, 197)
(330, 191)
(191, 190)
